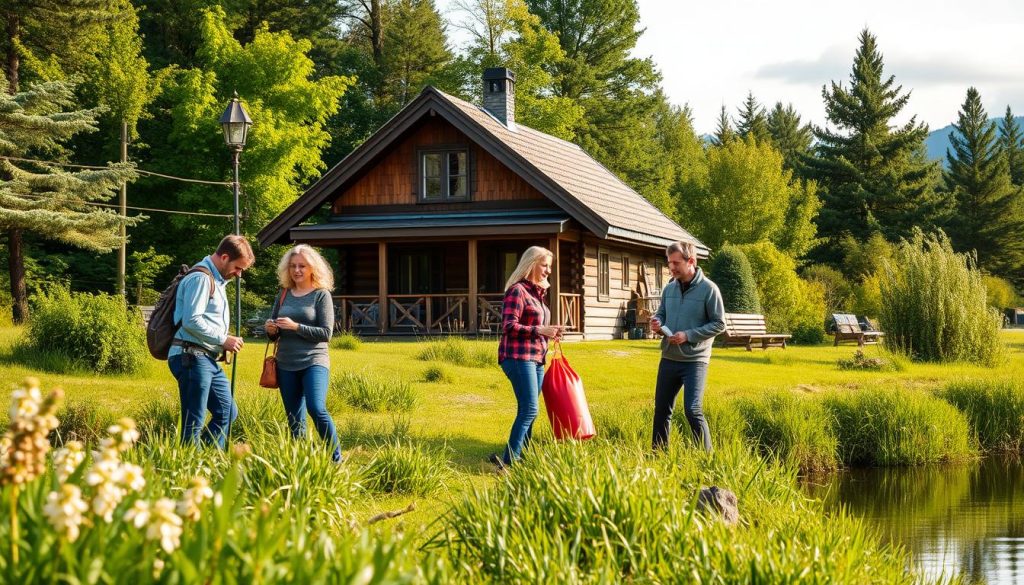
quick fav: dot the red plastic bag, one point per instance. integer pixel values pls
(565, 401)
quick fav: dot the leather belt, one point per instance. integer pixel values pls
(195, 349)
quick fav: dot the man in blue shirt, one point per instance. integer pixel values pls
(201, 306)
(690, 316)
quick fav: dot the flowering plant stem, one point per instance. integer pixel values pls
(14, 524)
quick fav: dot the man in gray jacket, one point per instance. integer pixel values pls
(690, 316)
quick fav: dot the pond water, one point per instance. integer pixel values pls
(956, 519)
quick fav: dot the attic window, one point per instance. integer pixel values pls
(444, 175)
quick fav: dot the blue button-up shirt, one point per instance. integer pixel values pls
(204, 321)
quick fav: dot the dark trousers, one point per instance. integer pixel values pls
(203, 386)
(305, 391)
(690, 377)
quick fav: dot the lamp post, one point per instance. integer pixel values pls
(235, 122)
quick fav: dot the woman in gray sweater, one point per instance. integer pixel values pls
(304, 322)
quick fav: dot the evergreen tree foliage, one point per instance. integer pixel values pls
(988, 213)
(724, 132)
(731, 271)
(1011, 141)
(788, 136)
(505, 34)
(749, 197)
(47, 200)
(753, 121)
(415, 49)
(872, 176)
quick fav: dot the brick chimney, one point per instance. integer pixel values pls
(500, 95)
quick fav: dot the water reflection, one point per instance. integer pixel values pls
(964, 519)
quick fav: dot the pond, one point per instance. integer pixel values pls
(956, 519)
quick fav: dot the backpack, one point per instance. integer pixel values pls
(161, 328)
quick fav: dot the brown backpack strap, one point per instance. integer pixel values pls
(209, 275)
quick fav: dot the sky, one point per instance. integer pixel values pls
(712, 52)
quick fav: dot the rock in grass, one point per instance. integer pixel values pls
(720, 501)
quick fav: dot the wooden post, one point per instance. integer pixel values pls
(382, 286)
(554, 298)
(473, 285)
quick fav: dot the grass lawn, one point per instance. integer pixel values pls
(471, 415)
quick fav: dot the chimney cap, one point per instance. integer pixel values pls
(492, 73)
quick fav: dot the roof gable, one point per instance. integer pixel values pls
(560, 170)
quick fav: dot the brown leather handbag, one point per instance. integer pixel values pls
(268, 377)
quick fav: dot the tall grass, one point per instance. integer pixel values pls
(788, 427)
(374, 392)
(458, 351)
(935, 306)
(894, 426)
(346, 340)
(407, 467)
(995, 411)
(574, 513)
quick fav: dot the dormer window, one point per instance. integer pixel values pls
(444, 175)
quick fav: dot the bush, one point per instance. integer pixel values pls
(731, 271)
(97, 331)
(999, 292)
(792, 428)
(346, 340)
(837, 289)
(406, 467)
(880, 363)
(458, 351)
(791, 305)
(892, 426)
(373, 392)
(995, 411)
(438, 374)
(936, 306)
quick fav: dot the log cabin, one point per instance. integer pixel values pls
(429, 216)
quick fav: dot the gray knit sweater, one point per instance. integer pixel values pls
(307, 346)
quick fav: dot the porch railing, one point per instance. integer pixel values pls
(435, 313)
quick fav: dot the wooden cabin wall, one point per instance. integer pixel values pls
(604, 319)
(393, 180)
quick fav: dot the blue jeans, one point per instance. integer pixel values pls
(203, 386)
(307, 389)
(527, 378)
(671, 376)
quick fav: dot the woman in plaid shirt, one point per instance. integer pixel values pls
(525, 329)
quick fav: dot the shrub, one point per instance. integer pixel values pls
(867, 296)
(936, 307)
(892, 426)
(346, 340)
(438, 374)
(792, 428)
(880, 363)
(98, 331)
(81, 421)
(406, 467)
(995, 411)
(790, 304)
(458, 351)
(999, 292)
(836, 288)
(731, 271)
(374, 392)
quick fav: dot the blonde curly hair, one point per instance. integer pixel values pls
(322, 276)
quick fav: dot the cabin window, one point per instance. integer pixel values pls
(625, 272)
(444, 175)
(659, 270)
(603, 276)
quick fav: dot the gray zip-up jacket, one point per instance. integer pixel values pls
(698, 312)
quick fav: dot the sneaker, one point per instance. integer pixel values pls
(498, 462)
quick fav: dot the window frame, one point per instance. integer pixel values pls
(604, 277)
(626, 267)
(659, 273)
(421, 170)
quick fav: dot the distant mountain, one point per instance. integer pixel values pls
(938, 141)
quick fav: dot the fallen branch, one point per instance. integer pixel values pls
(391, 514)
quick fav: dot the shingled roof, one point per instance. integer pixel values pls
(561, 170)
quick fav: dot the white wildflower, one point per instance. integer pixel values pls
(124, 433)
(138, 515)
(64, 510)
(67, 460)
(108, 496)
(132, 477)
(198, 492)
(25, 402)
(165, 525)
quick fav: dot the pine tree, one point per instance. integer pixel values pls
(989, 210)
(1011, 141)
(724, 134)
(788, 136)
(735, 279)
(753, 121)
(415, 49)
(45, 199)
(872, 176)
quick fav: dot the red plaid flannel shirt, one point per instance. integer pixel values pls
(522, 312)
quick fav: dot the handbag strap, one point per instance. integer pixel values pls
(273, 316)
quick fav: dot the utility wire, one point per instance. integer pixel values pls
(115, 206)
(137, 170)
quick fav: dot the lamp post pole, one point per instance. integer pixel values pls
(235, 123)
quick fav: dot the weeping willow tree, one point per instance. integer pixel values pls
(49, 200)
(934, 304)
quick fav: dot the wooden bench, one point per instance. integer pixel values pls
(848, 329)
(746, 329)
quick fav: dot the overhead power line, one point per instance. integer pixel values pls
(115, 206)
(139, 171)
